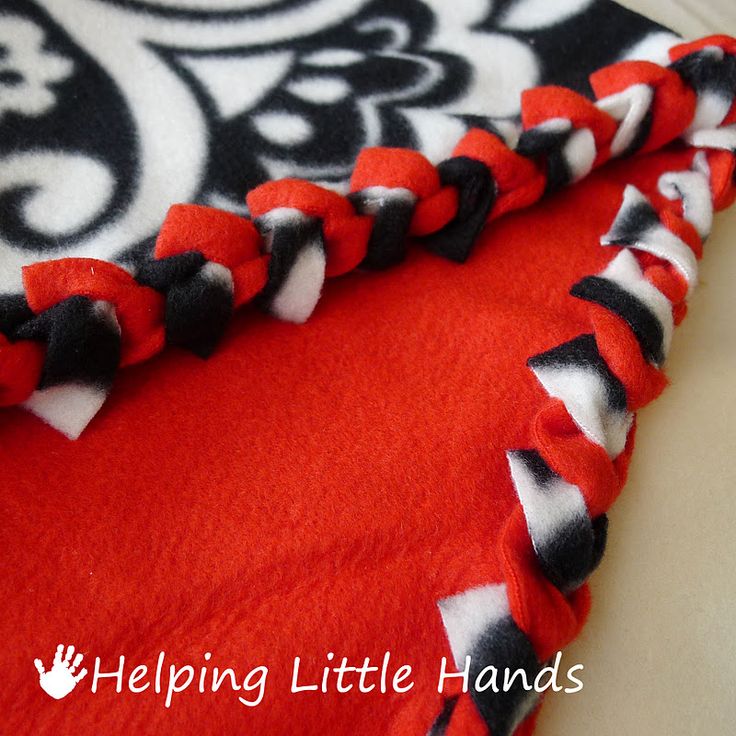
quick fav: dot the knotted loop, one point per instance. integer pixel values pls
(345, 233)
(386, 184)
(138, 309)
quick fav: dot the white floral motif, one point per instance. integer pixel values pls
(27, 69)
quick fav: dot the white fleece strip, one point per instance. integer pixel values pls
(579, 153)
(277, 216)
(657, 240)
(629, 107)
(468, 615)
(693, 188)
(710, 110)
(548, 508)
(554, 125)
(376, 196)
(625, 271)
(664, 244)
(722, 138)
(300, 291)
(216, 273)
(583, 391)
(68, 408)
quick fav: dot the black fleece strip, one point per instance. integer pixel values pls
(439, 727)
(558, 172)
(387, 245)
(198, 309)
(705, 72)
(632, 223)
(643, 322)
(82, 346)
(288, 238)
(600, 534)
(568, 558)
(163, 273)
(197, 313)
(549, 143)
(476, 194)
(14, 311)
(536, 465)
(503, 645)
(541, 140)
(582, 353)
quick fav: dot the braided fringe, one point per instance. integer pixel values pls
(81, 319)
(566, 482)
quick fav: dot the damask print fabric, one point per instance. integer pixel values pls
(101, 131)
(417, 473)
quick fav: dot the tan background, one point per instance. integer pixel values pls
(659, 649)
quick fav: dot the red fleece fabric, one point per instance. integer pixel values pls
(309, 489)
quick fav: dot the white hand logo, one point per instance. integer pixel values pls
(60, 681)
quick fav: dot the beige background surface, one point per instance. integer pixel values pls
(659, 649)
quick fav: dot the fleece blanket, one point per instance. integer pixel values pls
(377, 512)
